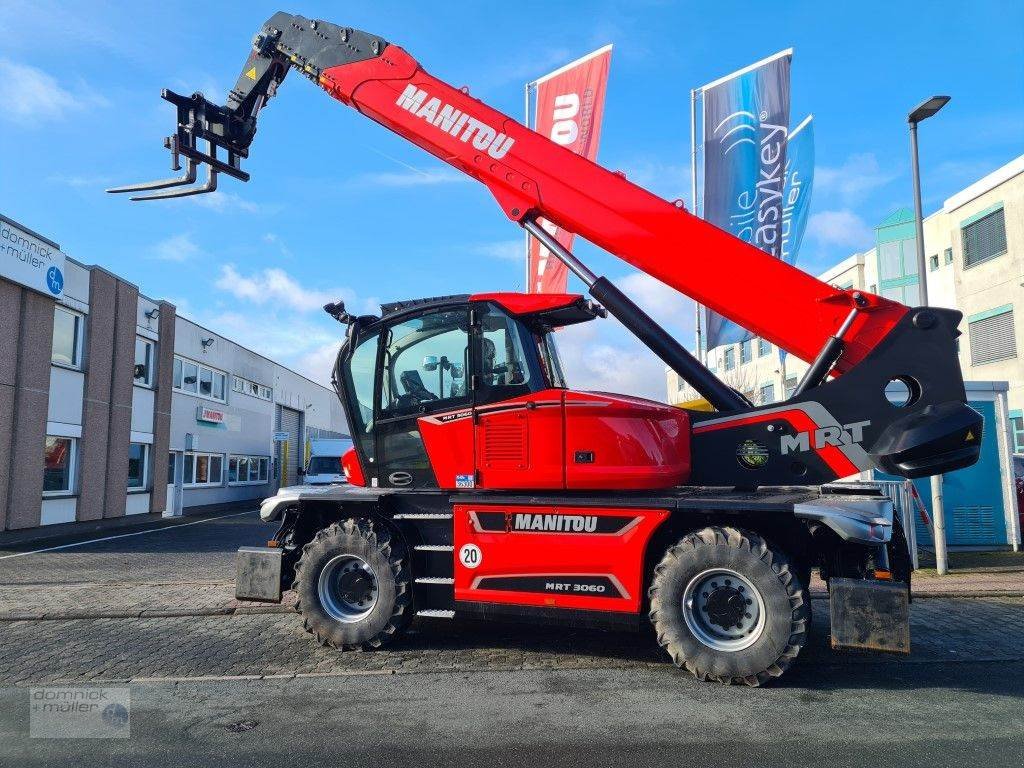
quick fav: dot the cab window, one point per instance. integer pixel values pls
(359, 382)
(504, 368)
(550, 363)
(424, 364)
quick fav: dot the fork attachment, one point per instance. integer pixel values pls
(204, 127)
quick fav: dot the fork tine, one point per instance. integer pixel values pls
(187, 178)
(209, 186)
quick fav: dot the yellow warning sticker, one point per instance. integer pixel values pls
(970, 437)
(251, 74)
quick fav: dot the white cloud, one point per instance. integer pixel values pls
(592, 361)
(177, 248)
(318, 364)
(308, 347)
(506, 250)
(523, 68)
(852, 181)
(30, 94)
(79, 181)
(667, 306)
(277, 287)
(841, 228)
(412, 178)
(274, 239)
(668, 180)
(223, 201)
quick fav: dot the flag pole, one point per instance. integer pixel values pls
(693, 202)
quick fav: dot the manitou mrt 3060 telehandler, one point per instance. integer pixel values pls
(481, 485)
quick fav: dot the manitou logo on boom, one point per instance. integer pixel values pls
(824, 436)
(455, 122)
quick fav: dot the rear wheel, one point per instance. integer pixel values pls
(353, 586)
(728, 607)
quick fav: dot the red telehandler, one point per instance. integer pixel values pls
(481, 485)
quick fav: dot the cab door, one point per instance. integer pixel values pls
(422, 370)
(520, 426)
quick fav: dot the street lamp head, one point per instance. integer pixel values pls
(927, 108)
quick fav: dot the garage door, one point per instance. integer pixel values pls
(289, 421)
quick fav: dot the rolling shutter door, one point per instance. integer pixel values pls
(291, 422)
(992, 338)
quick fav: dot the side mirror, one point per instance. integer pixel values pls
(430, 363)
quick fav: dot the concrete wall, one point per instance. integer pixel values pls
(993, 283)
(162, 409)
(121, 389)
(99, 358)
(26, 337)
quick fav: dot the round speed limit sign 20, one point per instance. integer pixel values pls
(470, 555)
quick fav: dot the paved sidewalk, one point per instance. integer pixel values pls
(120, 600)
(216, 598)
(943, 631)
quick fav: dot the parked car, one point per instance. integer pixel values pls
(324, 466)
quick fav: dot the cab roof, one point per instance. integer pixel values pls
(550, 309)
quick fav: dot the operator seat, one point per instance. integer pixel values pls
(416, 391)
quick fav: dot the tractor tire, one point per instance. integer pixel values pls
(353, 586)
(728, 607)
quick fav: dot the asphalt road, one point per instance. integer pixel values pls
(488, 694)
(931, 714)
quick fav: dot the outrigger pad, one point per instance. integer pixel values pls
(873, 615)
(258, 574)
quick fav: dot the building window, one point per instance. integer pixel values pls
(170, 468)
(790, 383)
(746, 351)
(763, 348)
(947, 256)
(984, 238)
(143, 361)
(138, 466)
(992, 336)
(248, 470)
(729, 359)
(195, 379)
(1017, 430)
(767, 394)
(203, 469)
(933, 262)
(67, 338)
(58, 465)
(251, 388)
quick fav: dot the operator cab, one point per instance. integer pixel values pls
(468, 392)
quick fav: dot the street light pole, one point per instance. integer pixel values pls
(923, 111)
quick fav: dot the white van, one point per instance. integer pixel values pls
(325, 461)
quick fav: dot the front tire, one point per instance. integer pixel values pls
(352, 583)
(728, 607)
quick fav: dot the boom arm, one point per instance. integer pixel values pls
(529, 175)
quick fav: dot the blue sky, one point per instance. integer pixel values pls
(339, 207)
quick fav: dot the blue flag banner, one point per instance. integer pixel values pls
(799, 183)
(745, 130)
(797, 197)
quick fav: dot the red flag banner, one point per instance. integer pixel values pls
(570, 105)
